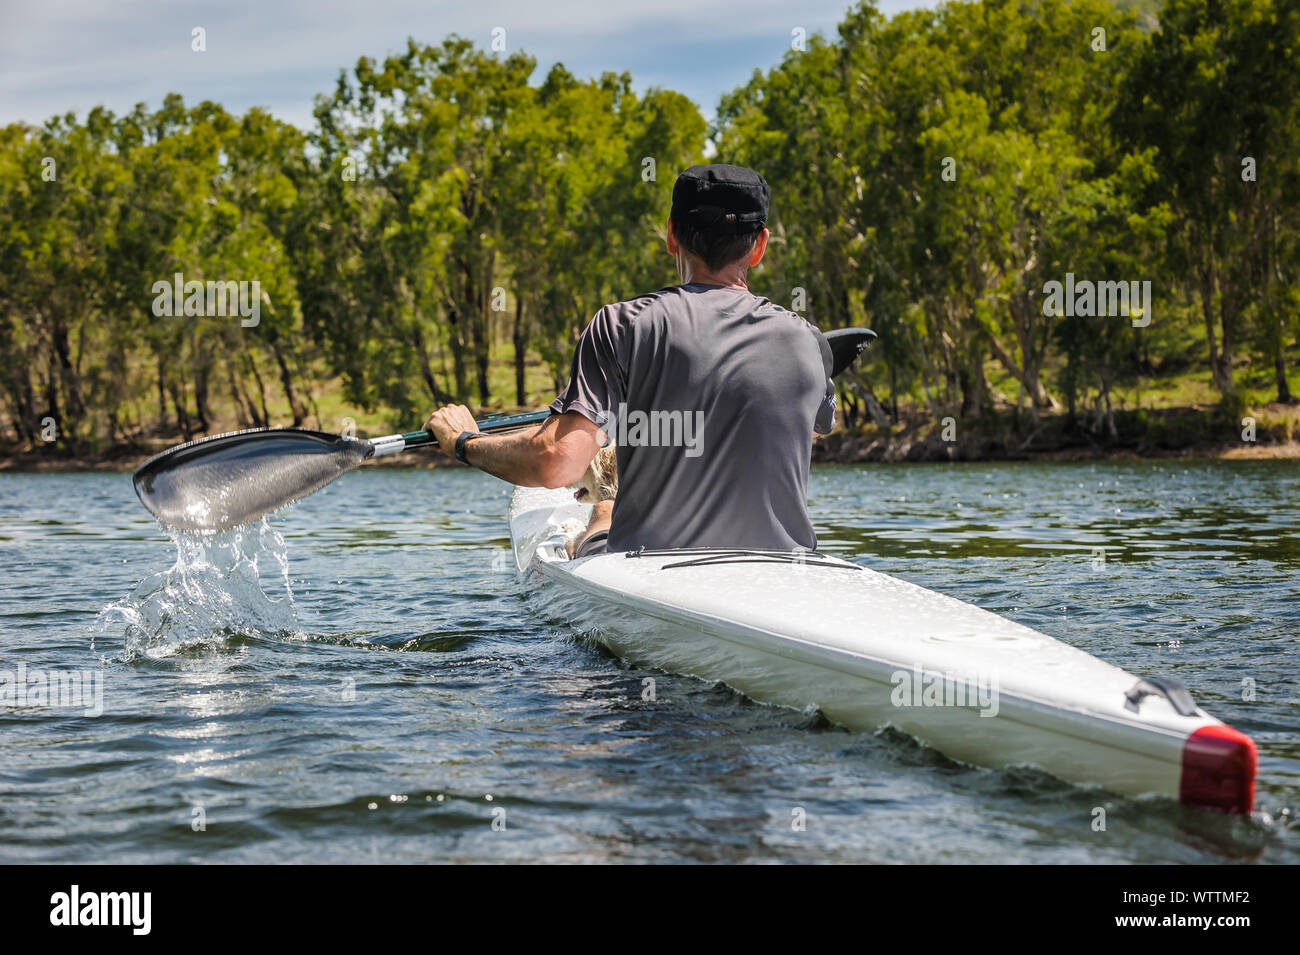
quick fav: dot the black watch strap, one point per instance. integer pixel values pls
(464, 439)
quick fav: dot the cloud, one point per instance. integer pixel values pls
(75, 54)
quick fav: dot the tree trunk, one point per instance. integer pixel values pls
(1279, 362)
(29, 407)
(893, 391)
(480, 336)
(1028, 376)
(19, 413)
(426, 371)
(243, 407)
(202, 411)
(848, 406)
(521, 351)
(482, 351)
(68, 375)
(1221, 374)
(182, 419)
(52, 395)
(874, 409)
(162, 398)
(261, 389)
(971, 384)
(455, 339)
(1228, 337)
(286, 381)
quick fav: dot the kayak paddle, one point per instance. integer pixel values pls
(846, 345)
(222, 481)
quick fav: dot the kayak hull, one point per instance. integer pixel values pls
(869, 650)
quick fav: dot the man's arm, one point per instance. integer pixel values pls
(554, 454)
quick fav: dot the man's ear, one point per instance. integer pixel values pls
(760, 247)
(672, 239)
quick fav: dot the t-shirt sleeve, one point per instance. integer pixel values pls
(825, 419)
(595, 379)
(826, 413)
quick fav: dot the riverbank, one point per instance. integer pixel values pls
(1269, 432)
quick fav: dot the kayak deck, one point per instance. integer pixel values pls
(867, 650)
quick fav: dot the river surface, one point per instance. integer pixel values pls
(360, 679)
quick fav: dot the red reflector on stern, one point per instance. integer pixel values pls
(1219, 770)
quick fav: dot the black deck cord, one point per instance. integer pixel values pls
(710, 556)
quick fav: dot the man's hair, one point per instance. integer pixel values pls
(716, 249)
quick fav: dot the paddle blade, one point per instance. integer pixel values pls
(846, 345)
(226, 480)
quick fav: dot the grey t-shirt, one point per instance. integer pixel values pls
(712, 395)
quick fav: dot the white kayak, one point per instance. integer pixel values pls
(809, 631)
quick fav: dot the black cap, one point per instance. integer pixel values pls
(704, 196)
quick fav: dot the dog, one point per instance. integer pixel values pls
(599, 483)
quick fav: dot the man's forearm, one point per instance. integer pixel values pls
(511, 457)
(552, 455)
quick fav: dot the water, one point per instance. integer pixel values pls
(359, 680)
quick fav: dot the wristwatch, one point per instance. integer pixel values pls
(464, 439)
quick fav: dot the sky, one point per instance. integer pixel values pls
(60, 55)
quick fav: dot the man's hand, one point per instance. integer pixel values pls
(447, 424)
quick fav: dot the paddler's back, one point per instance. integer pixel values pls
(712, 394)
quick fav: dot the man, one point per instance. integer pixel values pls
(718, 392)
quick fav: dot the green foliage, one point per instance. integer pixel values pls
(948, 164)
(451, 211)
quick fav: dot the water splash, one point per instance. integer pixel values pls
(222, 587)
